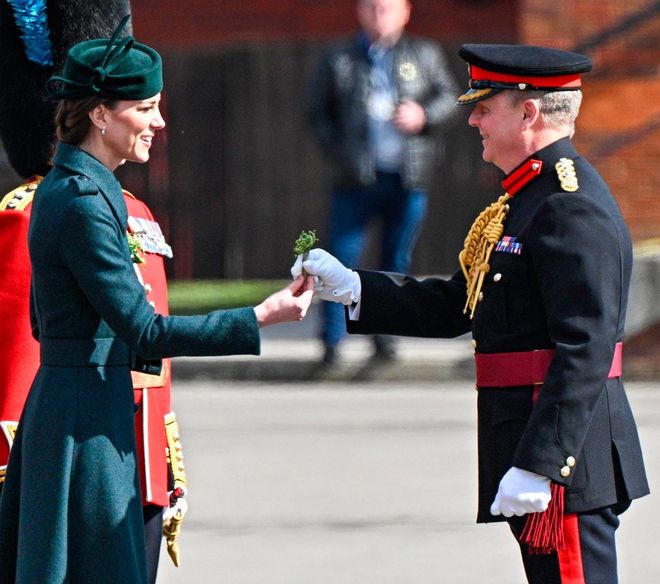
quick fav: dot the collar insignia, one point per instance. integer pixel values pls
(521, 176)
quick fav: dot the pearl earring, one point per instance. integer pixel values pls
(104, 131)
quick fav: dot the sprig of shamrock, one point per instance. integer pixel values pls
(135, 248)
(305, 242)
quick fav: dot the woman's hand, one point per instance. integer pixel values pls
(289, 304)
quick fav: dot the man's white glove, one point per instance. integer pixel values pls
(520, 492)
(332, 280)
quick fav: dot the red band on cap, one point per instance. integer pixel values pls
(572, 80)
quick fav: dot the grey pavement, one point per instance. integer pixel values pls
(346, 483)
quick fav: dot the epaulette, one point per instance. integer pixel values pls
(84, 186)
(20, 197)
(566, 173)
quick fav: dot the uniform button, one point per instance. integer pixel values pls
(570, 461)
(497, 277)
(565, 471)
(481, 296)
(148, 288)
(152, 303)
(474, 343)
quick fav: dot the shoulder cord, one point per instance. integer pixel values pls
(484, 234)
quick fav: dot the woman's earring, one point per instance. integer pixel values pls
(104, 131)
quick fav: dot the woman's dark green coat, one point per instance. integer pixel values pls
(71, 509)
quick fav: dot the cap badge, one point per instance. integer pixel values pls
(408, 71)
(566, 173)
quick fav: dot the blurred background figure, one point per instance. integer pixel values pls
(377, 102)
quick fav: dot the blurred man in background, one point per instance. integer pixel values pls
(377, 102)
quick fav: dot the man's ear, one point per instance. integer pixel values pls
(531, 110)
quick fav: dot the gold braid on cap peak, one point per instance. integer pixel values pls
(484, 234)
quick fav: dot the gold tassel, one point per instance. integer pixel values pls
(482, 238)
(171, 531)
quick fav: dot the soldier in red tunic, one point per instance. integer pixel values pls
(17, 346)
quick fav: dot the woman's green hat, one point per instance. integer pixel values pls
(112, 68)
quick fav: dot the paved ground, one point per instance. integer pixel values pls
(335, 483)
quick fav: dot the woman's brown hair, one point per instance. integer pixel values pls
(72, 121)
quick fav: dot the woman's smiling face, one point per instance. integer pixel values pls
(131, 126)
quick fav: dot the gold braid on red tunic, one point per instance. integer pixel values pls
(482, 238)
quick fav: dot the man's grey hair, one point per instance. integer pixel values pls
(559, 109)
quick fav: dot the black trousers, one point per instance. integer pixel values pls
(153, 534)
(590, 554)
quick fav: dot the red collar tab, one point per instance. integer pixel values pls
(571, 80)
(521, 176)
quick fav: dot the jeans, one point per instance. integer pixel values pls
(351, 211)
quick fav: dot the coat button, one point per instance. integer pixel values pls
(481, 296)
(497, 277)
(148, 288)
(474, 343)
(565, 471)
(570, 462)
(152, 303)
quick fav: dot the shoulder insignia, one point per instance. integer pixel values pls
(566, 173)
(20, 197)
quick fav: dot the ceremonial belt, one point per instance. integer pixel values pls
(525, 367)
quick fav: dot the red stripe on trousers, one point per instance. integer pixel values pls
(570, 558)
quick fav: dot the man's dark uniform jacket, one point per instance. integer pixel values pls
(558, 280)
(338, 108)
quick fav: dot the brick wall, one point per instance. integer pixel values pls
(202, 23)
(619, 124)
